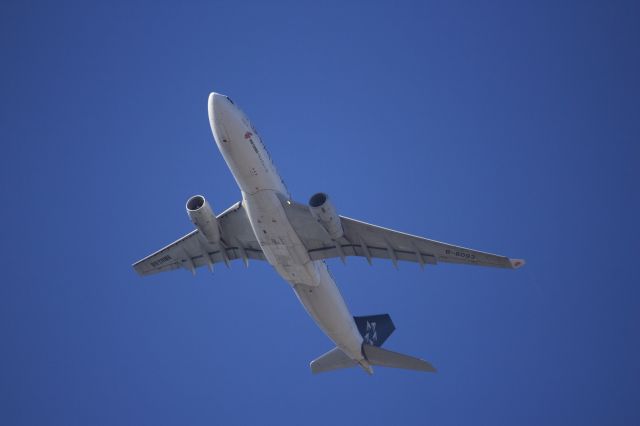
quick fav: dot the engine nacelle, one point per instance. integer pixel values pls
(203, 218)
(323, 211)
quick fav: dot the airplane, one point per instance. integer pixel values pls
(294, 238)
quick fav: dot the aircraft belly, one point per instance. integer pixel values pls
(247, 158)
(310, 280)
(325, 305)
(280, 244)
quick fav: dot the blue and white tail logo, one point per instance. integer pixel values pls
(371, 337)
(374, 329)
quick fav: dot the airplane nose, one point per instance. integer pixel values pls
(216, 104)
(219, 113)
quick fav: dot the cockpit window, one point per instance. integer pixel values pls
(229, 99)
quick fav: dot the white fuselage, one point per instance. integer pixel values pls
(265, 198)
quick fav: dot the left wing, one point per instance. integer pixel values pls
(193, 250)
(370, 241)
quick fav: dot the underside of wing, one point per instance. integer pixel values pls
(194, 250)
(370, 241)
(387, 243)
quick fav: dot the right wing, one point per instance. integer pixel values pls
(193, 250)
(395, 245)
(370, 241)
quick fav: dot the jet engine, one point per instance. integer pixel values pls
(323, 211)
(203, 218)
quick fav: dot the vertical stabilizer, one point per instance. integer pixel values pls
(375, 329)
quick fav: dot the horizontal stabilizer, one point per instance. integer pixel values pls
(384, 358)
(332, 360)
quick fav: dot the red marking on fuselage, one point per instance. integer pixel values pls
(248, 135)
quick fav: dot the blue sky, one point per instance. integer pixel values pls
(510, 127)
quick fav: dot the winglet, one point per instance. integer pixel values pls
(517, 263)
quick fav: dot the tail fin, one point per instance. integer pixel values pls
(332, 360)
(375, 329)
(386, 358)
